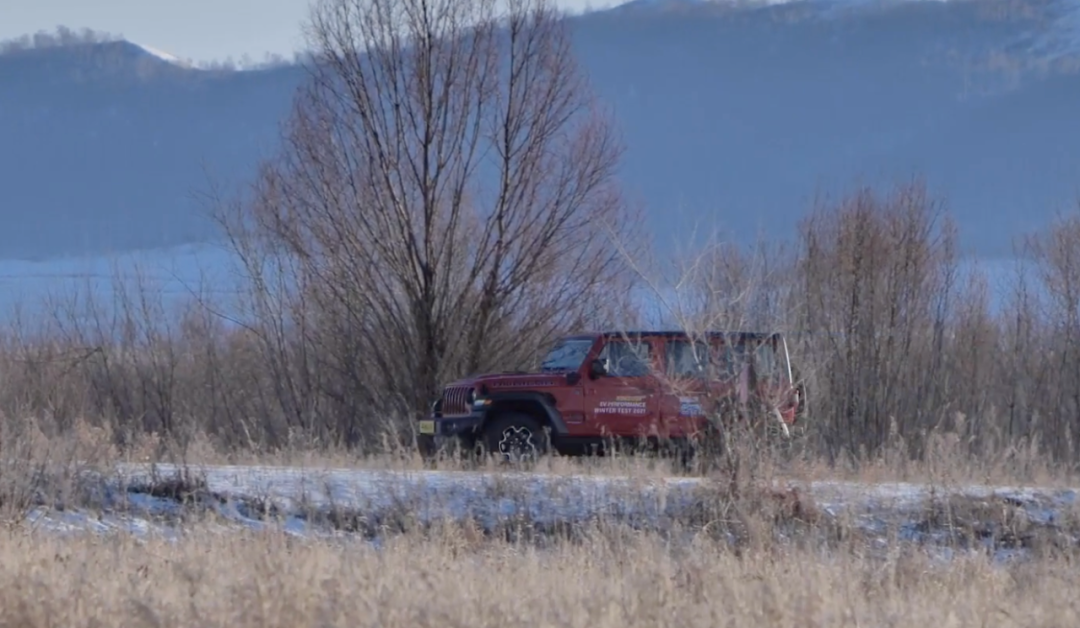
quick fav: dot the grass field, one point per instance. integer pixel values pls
(380, 542)
(456, 578)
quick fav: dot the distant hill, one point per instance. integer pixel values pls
(734, 114)
(105, 143)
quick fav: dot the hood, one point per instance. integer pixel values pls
(508, 381)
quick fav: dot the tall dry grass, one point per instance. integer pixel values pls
(747, 557)
(605, 580)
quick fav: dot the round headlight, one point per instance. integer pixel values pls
(472, 396)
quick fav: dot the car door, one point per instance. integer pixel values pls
(731, 384)
(684, 398)
(623, 402)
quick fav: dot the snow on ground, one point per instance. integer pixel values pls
(1064, 36)
(363, 504)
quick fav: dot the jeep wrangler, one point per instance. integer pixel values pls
(597, 389)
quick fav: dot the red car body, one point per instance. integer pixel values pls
(596, 388)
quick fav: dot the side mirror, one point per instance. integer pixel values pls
(597, 369)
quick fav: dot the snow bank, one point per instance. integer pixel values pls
(364, 504)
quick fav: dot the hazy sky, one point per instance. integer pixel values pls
(200, 30)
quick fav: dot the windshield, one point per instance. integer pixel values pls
(566, 355)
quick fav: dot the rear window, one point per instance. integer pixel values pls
(768, 363)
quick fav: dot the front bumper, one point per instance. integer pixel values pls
(444, 433)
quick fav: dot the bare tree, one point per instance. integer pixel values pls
(444, 197)
(877, 277)
(1055, 252)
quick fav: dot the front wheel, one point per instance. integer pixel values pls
(515, 438)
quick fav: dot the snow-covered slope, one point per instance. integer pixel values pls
(1057, 35)
(1062, 36)
(164, 56)
(367, 504)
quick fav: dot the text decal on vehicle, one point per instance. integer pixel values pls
(622, 405)
(689, 406)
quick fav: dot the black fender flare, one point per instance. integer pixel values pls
(543, 401)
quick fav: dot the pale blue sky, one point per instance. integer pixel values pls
(200, 30)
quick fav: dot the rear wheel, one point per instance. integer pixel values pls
(515, 437)
(683, 452)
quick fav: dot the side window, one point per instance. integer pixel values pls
(726, 361)
(627, 359)
(686, 359)
(740, 358)
(699, 361)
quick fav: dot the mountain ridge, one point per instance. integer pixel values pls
(739, 115)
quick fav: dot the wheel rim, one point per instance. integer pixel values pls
(517, 443)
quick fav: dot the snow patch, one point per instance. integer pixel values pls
(1059, 36)
(361, 505)
(1063, 36)
(161, 54)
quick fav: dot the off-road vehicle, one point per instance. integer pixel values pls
(593, 390)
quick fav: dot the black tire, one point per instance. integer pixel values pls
(514, 437)
(706, 450)
(683, 452)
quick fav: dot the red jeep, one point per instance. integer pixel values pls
(598, 388)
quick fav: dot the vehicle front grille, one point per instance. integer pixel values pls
(456, 400)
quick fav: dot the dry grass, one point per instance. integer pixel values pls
(947, 461)
(600, 573)
(455, 580)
